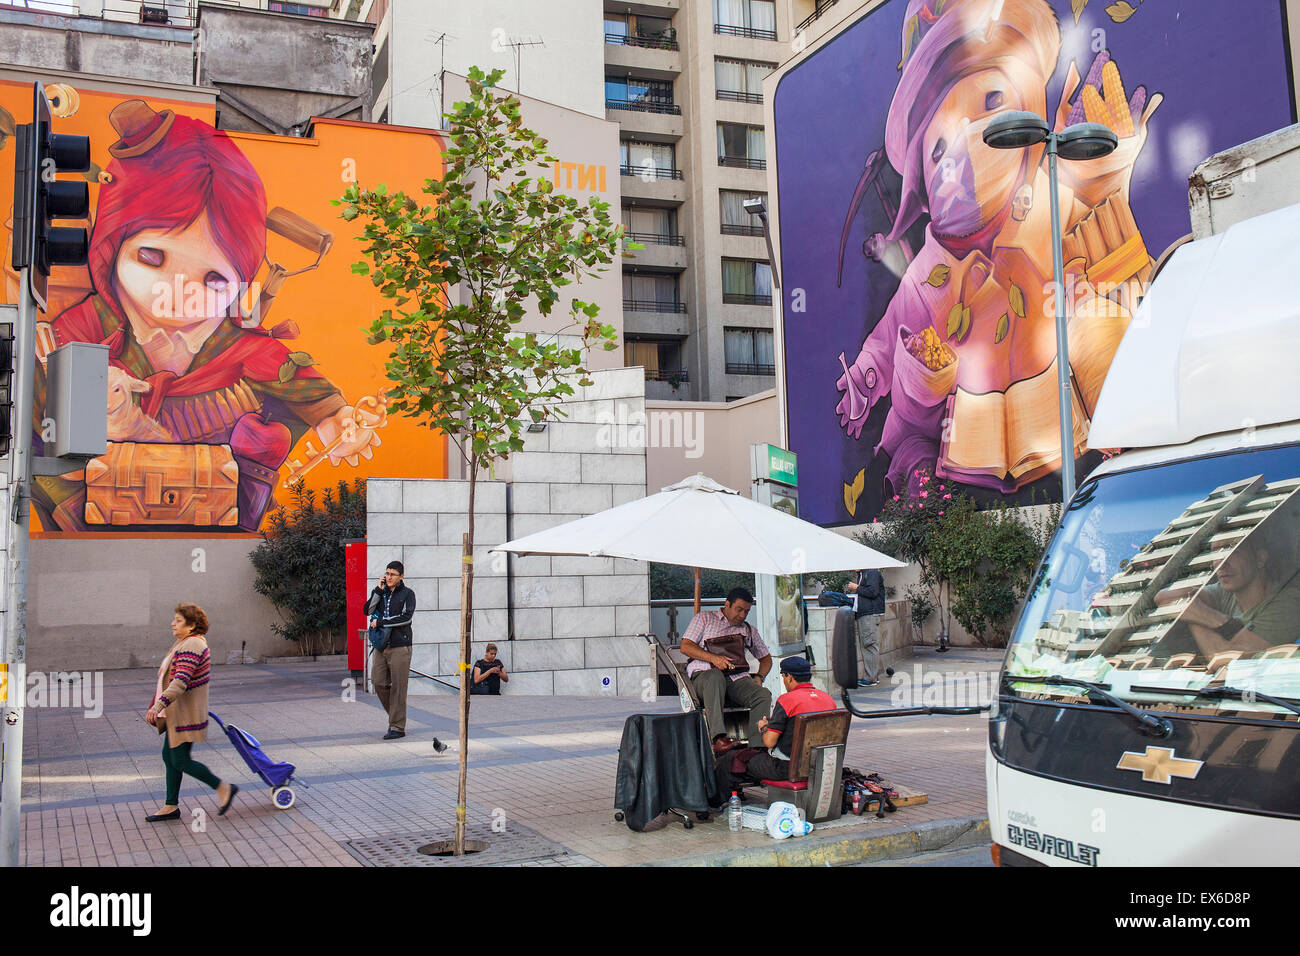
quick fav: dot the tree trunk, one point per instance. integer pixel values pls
(466, 631)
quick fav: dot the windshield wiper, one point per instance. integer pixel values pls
(1233, 693)
(1149, 724)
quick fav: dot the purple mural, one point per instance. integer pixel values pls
(917, 263)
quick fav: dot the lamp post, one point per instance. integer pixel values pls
(1018, 129)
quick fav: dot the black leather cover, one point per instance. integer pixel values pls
(844, 648)
(664, 761)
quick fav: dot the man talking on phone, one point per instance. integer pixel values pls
(391, 606)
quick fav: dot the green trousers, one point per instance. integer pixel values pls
(177, 760)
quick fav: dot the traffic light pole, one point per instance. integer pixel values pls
(18, 517)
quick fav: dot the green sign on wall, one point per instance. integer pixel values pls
(782, 466)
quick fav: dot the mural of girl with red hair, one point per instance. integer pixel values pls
(180, 231)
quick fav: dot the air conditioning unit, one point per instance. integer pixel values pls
(150, 14)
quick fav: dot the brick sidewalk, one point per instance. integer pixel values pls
(541, 767)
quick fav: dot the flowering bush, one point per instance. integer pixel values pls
(975, 564)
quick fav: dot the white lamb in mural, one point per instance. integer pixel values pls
(126, 420)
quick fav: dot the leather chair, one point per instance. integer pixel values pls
(815, 782)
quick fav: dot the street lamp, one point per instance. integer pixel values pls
(756, 207)
(1016, 130)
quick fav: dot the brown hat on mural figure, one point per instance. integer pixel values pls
(139, 126)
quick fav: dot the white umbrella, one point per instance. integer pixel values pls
(700, 523)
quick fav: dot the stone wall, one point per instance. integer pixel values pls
(563, 625)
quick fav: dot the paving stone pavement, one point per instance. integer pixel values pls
(541, 775)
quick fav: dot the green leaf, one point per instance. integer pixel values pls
(360, 269)
(938, 276)
(287, 372)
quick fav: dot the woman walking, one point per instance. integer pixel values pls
(180, 710)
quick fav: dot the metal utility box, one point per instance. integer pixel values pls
(76, 400)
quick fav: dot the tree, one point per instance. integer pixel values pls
(300, 563)
(461, 273)
(975, 565)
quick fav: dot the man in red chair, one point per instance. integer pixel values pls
(752, 765)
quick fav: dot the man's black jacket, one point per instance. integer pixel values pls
(664, 760)
(400, 611)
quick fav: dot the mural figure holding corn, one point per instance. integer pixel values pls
(966, 348)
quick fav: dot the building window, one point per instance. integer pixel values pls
(740, 80)
(661, 359)
(745, 18)
(633, 93)
(736, 221)
(302, 9)
(651, 292)
(740, 145)
(749, 352)
(648, 160)
(746, 282)
(652, 224)
(656, 33)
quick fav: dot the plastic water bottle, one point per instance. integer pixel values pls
(733, 812)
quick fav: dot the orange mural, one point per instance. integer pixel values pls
(219, 276)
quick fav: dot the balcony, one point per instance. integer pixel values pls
(752, 33)
(745, 298)
(731, 230)
(645, 106)
(737, 368)
(742, 162)
(821, 7)
(657, 252)
(738, 97)
(647, 173)
(666, 375)
(656, 238)
(653, 305)
(648, 43)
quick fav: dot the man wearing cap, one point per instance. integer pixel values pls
(391, 606)
(716, 642)
(800, 697)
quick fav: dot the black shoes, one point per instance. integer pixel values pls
(160, 817)
(394, 735)
(234, 789)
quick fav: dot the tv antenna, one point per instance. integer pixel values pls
(517, 44)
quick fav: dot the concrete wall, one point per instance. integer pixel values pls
(567, 71)
(276, 71)
(48, 41)
(563, 625)
(716, 437)
(98, 604)
(574, 138)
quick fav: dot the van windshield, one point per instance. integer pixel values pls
(1174, 577)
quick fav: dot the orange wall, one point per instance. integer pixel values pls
(330, 305)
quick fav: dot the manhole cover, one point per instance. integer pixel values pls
(518, 846)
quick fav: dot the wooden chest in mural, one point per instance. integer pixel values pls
(140, 483)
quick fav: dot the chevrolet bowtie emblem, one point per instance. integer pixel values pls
(1159, 764)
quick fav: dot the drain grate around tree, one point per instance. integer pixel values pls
(518, 846)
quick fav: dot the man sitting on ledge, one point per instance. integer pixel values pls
(754, 766)
(716, 642)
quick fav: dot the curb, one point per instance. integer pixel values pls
(845, 850)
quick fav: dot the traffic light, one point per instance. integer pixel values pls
(40, 198)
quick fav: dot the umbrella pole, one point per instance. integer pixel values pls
(697, 590)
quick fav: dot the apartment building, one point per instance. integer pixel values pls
(683, 78)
